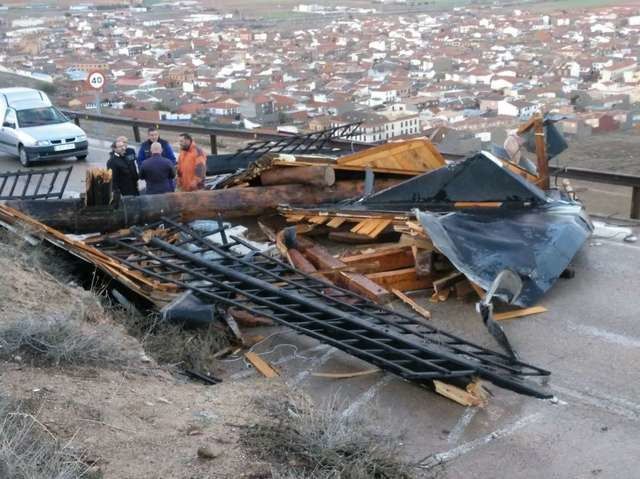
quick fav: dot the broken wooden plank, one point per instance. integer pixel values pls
(404, 279)
(346, 375)
(356, 282)
(382, 260)
(424, 312)
(261, 365)
(447, 281)
(459, 395)
(336, 222)
(519, 313)
(382, 224)
(298, 260)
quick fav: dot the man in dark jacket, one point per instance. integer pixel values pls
(122, 163)
(158, 172)
(145, 148)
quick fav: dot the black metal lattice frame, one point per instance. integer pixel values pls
(19, 185)
(314, 141)
(268, 287)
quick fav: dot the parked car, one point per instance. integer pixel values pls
(34, 130)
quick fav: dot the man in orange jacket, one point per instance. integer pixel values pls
(192, 165)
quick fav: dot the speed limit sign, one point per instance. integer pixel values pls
(96, 80)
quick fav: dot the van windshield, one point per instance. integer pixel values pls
(40, 116)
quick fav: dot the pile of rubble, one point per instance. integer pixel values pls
(484, 228)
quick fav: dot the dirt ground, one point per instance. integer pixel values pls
(614, 152)
(136, 421)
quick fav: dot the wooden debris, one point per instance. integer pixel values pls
(404, 279)
(346, 375)
(355, 282)
(248, 320)
(440, 296)
(519, 313)
(381, 260)
(459, 395)
(69, 215)
(447, 282)
(99, 187)
(297, 260)
(306, 175)
(261, 365)
(409, 157)
(412, 304)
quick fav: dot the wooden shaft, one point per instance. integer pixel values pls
(541, 154)
(304, 175)
(70, 215)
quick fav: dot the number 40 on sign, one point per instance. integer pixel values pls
(96, 80)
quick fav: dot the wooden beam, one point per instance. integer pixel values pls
(261, 365)
(356, 282)
(424, 312)
(356, 374)
(447, 281)
(383, 260)
(404, 279)
(519, 313)
(459, 395)
(305, 175)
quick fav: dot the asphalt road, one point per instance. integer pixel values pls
(590, 341)
(98, 156)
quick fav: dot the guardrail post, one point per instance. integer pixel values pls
(635, 203)
(136, 133)
(214, 144)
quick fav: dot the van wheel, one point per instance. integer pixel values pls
(24, 157)
(81, 157)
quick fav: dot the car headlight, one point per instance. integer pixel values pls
(43, 143)
(81, 138)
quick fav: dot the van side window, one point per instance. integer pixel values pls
(10, 116)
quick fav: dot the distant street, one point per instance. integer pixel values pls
(98, 156)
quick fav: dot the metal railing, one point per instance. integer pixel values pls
(584, 174)
(212, 132)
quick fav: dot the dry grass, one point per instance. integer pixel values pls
(61, 341)
(28, 450)
(174, 345)
(303, 441)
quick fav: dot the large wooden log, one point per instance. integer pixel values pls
(303, 175)
(71, 215)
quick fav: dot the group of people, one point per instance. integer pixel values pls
(156, 164)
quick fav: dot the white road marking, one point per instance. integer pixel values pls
(458, 430)
(282, 360)
(301, 376)
(620, 406)
(608, 336)
(367, 396)
(443, 457)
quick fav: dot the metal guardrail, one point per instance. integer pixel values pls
(584, 174)
(604, 177)
(213, 133)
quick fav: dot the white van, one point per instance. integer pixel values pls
(35, 130)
